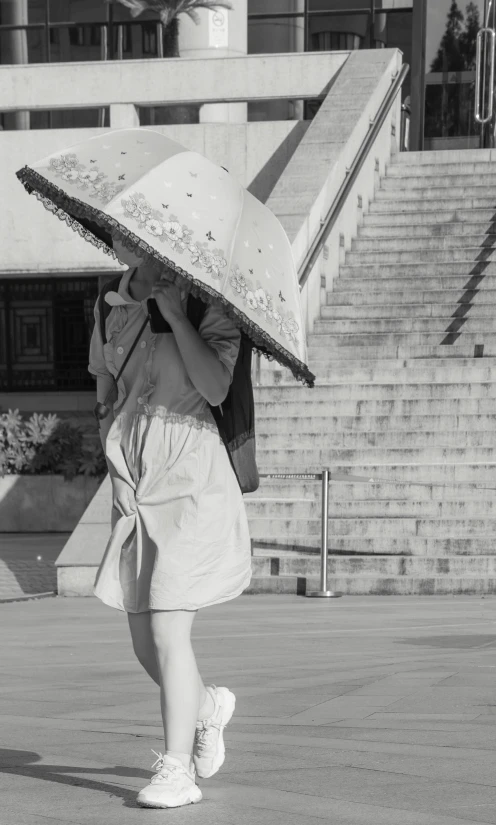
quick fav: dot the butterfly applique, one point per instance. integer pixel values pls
(251, 271)
(210, 236)
(189, 195)
(283, 299)
(194, 174)
(123, 153)
(121, 177)
(93, 161)
(165, 205)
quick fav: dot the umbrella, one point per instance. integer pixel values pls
(175, 206)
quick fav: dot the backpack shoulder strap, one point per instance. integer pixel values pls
(195, 310)
(105, 308)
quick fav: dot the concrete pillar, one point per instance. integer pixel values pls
(15, 12)
(297, 44)
(123, 116)
(220, 33)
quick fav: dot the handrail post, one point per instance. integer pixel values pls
(324, 593)
(483, 89)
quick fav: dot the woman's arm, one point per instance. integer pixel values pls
(207, 373)
(98, 368)
(103, 385)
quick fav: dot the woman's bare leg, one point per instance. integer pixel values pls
(179, 684)
(144, 648)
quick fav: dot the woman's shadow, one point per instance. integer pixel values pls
(23, 763)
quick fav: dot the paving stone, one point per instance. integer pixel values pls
(79, 717)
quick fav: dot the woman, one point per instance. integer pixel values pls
(179, 537)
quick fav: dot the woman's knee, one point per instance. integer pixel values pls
(171, 628)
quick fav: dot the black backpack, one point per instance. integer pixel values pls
(235, 419)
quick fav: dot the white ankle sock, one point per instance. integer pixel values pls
(207, 708)
(185, 758)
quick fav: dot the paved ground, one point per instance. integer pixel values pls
(358, 711)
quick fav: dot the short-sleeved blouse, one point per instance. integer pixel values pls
(155, 375)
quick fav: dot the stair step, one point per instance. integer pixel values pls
(462, 348)
(426, 192)
(409, 472)
(474, 254)
(448, 229)
(380, 545)
(320, 454)
(431, 204)
(456, 180)
(472, 169)
(374, 528)
(333, 372)
(367, 407)
(388, 298)
(442, 156)
(426, 275)
(301, 508)
(382, 440)
(428, 217)
(481, 240)
(374, 391)
(438, 325)
(394, 426)
(309, 566)
(404, 312)
(405, 339)
(372, 492)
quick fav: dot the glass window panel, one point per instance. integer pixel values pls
(451, 33)
(78, 11)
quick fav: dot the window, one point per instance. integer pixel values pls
(149, 35)
(329, 41)
(76, 35)
(45, 329)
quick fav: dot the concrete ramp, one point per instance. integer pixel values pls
(81, 556)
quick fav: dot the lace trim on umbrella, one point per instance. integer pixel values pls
(68, 209)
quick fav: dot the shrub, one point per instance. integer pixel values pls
(44, 444)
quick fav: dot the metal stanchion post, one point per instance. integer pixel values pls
(324, 593)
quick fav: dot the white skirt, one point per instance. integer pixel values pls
(180, 538)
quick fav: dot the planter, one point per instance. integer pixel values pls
(44, 503)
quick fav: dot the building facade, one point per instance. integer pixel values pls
(46, 316)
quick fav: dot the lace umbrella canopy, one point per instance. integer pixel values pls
(174, 206)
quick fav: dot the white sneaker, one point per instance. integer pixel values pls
(173, 785)
(208, 750)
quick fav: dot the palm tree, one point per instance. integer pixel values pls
(169, 12)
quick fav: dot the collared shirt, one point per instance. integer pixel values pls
(155, 375)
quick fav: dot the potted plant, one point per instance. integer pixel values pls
(49, 472)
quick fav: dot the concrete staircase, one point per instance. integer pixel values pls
(406, 394)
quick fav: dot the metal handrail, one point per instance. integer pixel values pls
(479, 104)
(488, 15)
(328, 222)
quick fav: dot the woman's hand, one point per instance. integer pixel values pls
(168, 298)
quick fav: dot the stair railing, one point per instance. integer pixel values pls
(344, 190)
(327, 223)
